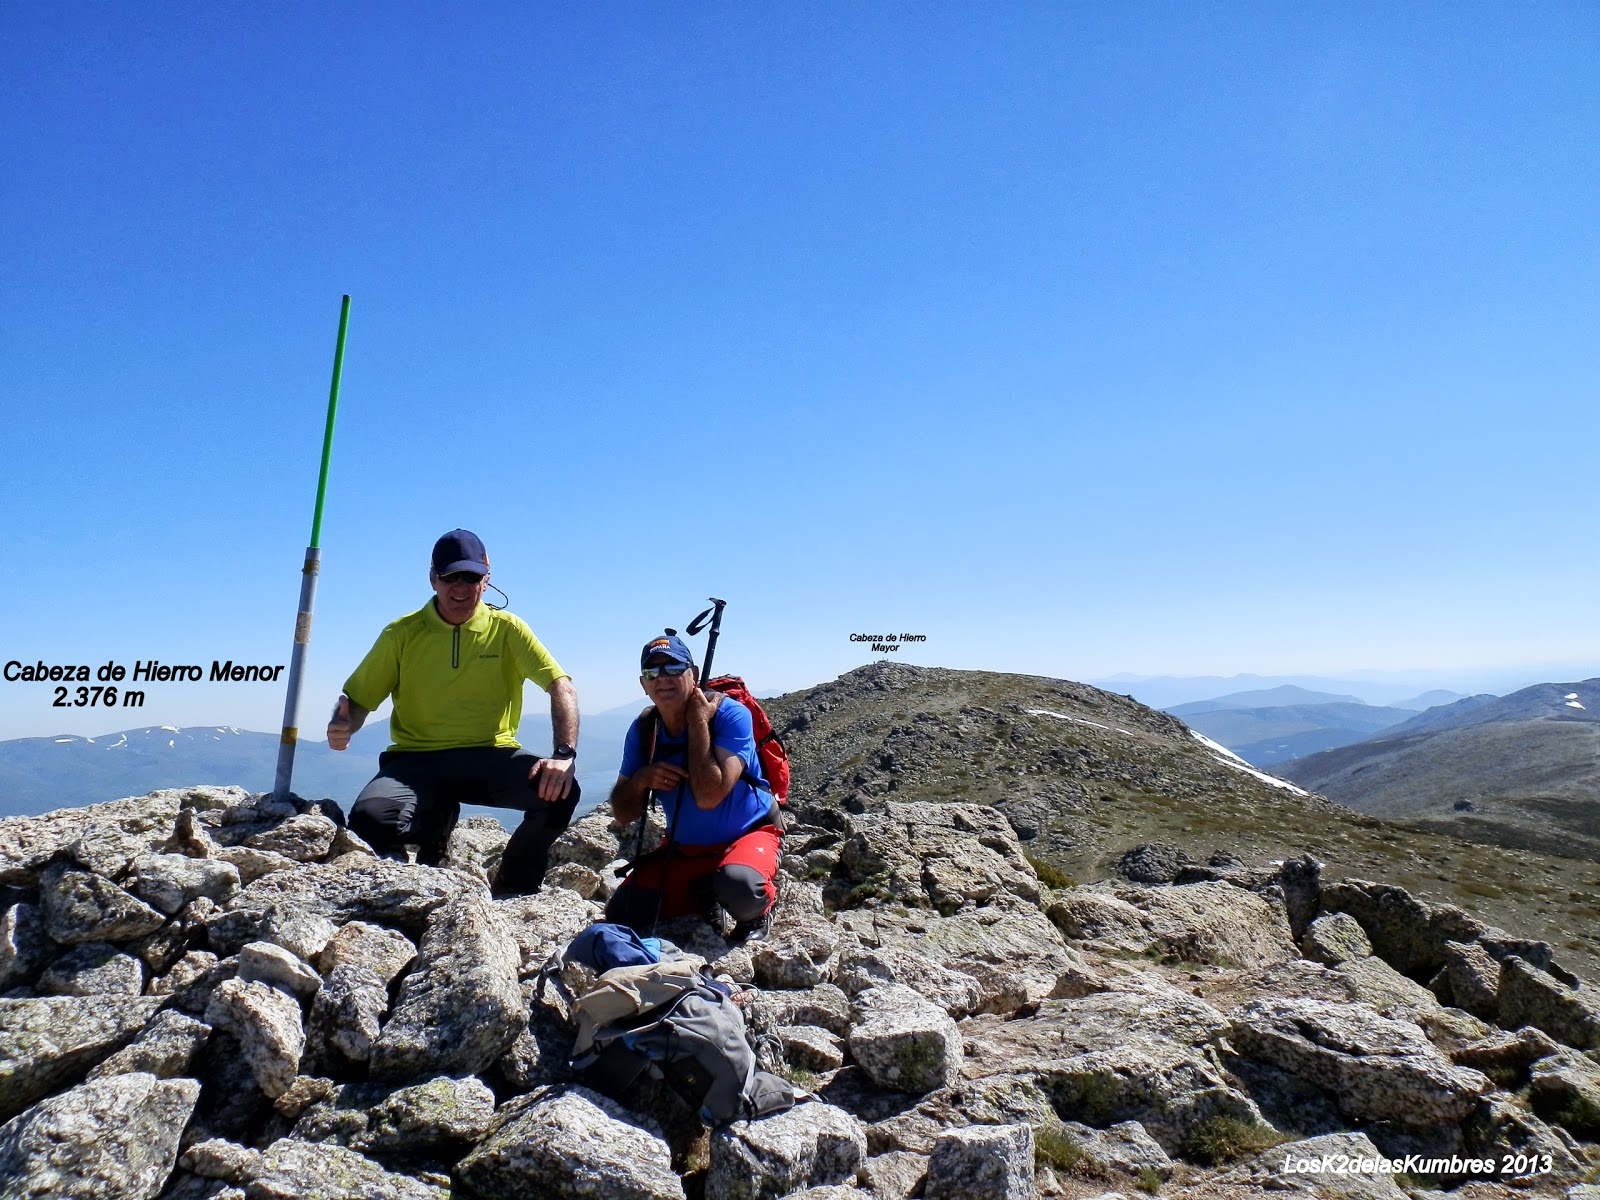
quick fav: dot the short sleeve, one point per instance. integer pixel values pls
(533, 660)
(378, 674)
(632, 755)
(733, 731)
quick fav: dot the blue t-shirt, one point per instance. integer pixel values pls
(687, 823)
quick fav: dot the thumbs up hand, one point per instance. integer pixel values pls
(341, 726)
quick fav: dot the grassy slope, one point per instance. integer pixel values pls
(1083, 791)
(1533, 784)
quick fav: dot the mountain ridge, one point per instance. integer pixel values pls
(1268, 736)
(1518, 770)
(1085, 790)
(1284, 696)
(1539, 701)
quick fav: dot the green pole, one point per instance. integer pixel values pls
(327, 432)
(308, 581)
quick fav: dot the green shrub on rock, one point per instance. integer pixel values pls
(1218, 1140)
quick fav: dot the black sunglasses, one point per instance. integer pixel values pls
(471, 577)
(671, 670)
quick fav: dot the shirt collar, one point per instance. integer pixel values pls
(478, 622)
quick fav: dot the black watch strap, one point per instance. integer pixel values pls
(565, 750)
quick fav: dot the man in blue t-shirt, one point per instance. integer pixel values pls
(696, 751)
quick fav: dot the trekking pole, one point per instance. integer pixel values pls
(649, 797)
(699, 623)
(308, 581)
(666, 864)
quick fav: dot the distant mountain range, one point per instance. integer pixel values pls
(41, 774)
(1283, 696)
(1275, 725)
(1518, 770)
(1166, 691)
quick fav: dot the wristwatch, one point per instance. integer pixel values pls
(565, 750)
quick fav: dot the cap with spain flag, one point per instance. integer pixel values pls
(667, 644)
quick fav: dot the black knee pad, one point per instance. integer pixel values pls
(741, 890)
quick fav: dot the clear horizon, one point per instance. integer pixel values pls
(1078, 340)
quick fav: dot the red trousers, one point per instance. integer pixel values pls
(679, 881)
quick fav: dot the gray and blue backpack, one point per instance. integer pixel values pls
(656, 1009)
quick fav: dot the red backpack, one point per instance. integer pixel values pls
(769, 750)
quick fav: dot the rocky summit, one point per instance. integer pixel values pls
(208, 996)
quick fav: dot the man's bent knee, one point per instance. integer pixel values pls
(382, 836)
(743, 891)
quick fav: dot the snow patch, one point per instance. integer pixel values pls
(1573, 704)
(1217, 746)
(60, 740)
(1224, 756)
(1045, 712)
(122, 740)
(170, 728)
(169, 740)
(1229, 759)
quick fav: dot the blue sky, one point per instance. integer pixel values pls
(1081, 339)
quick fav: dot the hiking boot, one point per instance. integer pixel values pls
(720, 921)
(431, 854)
(501, 890)
(758, 930)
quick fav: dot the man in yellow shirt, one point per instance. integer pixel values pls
(455, 668)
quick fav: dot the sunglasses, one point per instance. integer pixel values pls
(671, 671)
(471, 577)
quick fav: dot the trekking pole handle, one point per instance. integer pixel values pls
(699, 623)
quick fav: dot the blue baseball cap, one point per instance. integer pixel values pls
(460, 550)
(668, 644)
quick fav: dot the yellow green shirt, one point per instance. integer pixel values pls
(453, 685)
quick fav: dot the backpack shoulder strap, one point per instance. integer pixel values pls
(649, 726)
